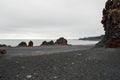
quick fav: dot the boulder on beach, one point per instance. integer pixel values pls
(3, 51)
(111, 24)
(48, 43)
(61, 41)
(22, 44)
(30, 44)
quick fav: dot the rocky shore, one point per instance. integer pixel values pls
(87, 63)
(67, 62)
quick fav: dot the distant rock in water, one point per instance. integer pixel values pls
(48, 43)
(22, 44)
(4, 45)
(95, 38)
(30, 44)
(61, 41)
(51, 42)
(44, 43)
(111, 24)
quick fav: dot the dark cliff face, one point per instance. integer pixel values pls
(111, 24)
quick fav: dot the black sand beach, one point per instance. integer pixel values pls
(67, 63)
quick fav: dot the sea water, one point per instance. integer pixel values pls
(37, 42)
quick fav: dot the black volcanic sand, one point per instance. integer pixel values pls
(89, 64)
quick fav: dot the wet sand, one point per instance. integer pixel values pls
(67, 63)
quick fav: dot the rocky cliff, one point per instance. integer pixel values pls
(111, 24)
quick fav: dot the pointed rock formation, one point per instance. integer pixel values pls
(111, 24)
(30, 44)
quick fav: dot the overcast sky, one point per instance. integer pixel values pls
(41, 19)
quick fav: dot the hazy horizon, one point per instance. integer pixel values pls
(50, 19)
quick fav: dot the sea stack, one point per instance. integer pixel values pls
(30, 44)
(61, 41)
(22, 44)
(111, 24)
(47, 43)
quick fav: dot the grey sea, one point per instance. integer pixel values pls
(37, 42)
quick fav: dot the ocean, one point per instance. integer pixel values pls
(37, 42)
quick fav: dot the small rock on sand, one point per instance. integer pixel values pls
(23, 67)
(28, 76)
(55, 77)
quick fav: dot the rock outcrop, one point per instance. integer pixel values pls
(113, 44)
(22, 44)
(61, 41)
(30, 44)
(111, 24)
(51, 42)
(4, 45)
(47, 43)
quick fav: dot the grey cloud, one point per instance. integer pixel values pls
(71, 18)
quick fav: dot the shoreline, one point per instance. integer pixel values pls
(41, 50)
(38, 42)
